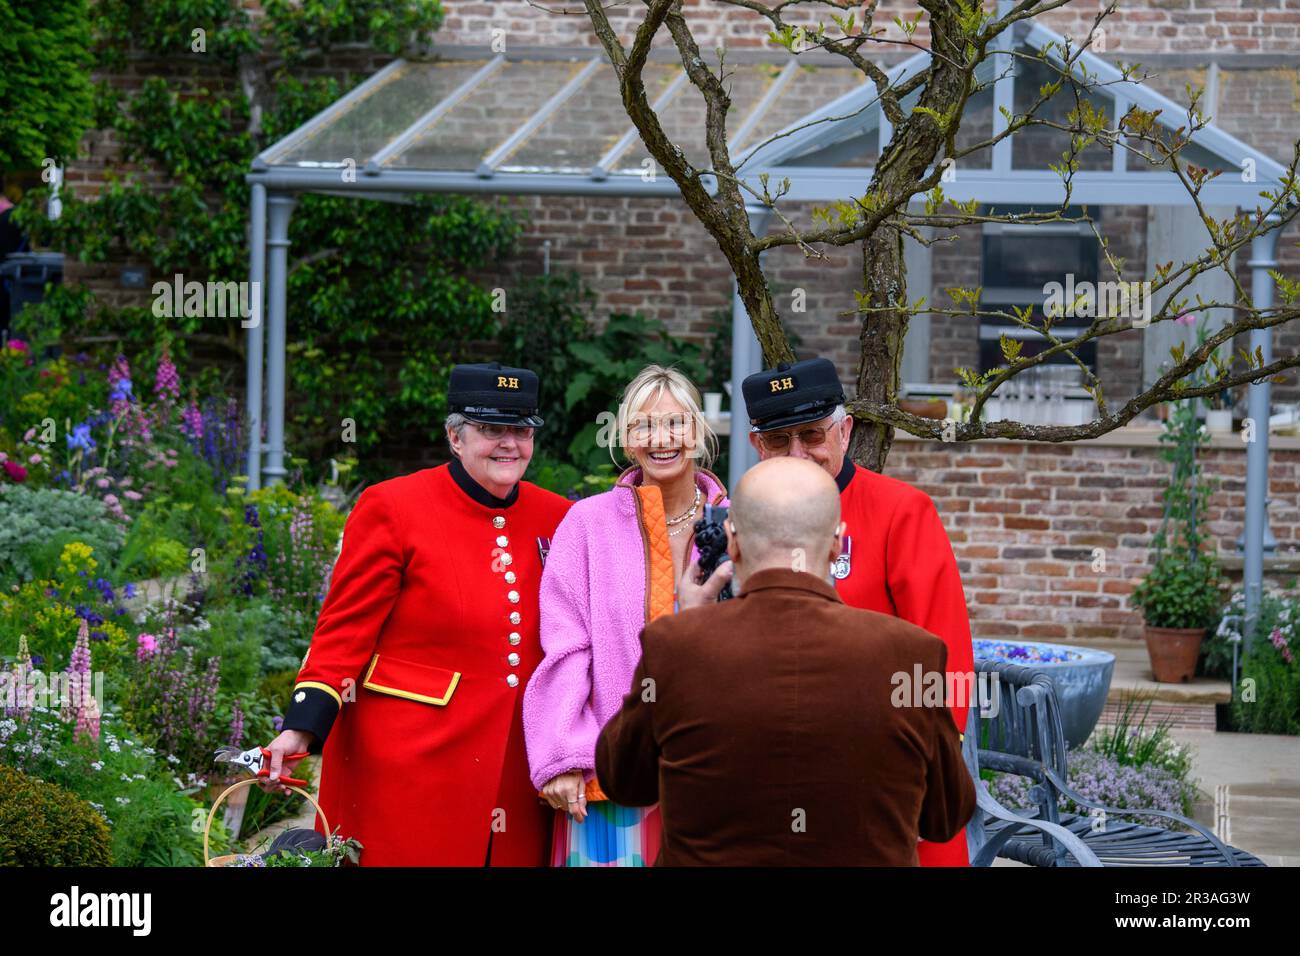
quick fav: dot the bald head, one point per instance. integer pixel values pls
(786, 512)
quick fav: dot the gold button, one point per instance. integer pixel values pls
(506, 559)
(510, 577)
(502, 541)
(514, 660)
(514, 637)
(513, 597)
(499, 521)
(514, 617)
(512, 680)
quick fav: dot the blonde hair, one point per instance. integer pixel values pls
(651, 382)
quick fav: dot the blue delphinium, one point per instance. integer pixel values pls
(80, 437)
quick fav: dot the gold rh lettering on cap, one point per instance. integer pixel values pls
(503, 382)
(782, 384)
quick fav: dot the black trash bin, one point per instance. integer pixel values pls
(24, 275)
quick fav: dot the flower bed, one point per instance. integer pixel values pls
(1130, 766)
(115, 689)
(1266, 692)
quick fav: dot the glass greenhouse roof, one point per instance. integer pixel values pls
(562, 114)
(552, 121)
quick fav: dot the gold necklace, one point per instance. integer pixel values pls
(690, 513)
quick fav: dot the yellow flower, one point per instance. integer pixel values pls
(76, 557)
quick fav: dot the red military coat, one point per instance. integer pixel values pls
(423, 648)
(901, 563)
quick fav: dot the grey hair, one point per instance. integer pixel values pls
(455, 423)
(839, 414)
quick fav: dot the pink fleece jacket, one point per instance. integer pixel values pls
(593, 599)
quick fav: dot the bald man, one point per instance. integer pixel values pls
(895, 556)
(772, 729)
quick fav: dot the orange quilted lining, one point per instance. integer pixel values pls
(660, 585)
(659, 555)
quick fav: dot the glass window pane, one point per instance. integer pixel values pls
(684, 118)
(384, 114)
(485, 118)
(809, 89)
(586, 126)
(1036, 146)
(1190, 154)
(977, 127)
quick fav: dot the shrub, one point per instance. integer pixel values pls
(126, 783)
(36, 523)
(44, 825)
(1268, 701)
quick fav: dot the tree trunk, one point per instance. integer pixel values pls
(884, 281)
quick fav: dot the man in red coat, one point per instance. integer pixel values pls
(413, 684)
(896, 558)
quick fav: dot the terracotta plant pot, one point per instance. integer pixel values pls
(924, 407)
(1173, 652)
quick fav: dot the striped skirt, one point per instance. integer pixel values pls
(612, 835)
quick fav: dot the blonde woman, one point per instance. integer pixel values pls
(618, 560)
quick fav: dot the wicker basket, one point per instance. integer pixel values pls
(228, 859)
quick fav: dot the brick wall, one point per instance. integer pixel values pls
(1150, 26)
(652, 256)
(1024, 520)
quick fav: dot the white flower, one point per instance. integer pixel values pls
(173, 759)
(112, 745)
(123, 800)
(97, 765)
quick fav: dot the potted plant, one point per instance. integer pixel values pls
(1218, 405)
(1180, 596)
(1218, 413)
(1179, 599)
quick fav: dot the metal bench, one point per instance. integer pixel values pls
(1025, 738)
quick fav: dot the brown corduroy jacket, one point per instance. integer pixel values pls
(781, 729)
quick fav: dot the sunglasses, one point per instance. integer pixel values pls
(780, 440)
(495, 432)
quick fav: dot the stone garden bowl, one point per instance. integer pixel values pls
(1081, 675)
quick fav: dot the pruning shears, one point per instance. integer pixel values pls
(258, 762)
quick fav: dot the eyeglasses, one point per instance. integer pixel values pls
(808, 437)
(496, 432)
(642, 427)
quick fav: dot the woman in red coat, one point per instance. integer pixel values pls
(413, 685)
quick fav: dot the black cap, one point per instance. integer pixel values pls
(494, 394)
(792, 394)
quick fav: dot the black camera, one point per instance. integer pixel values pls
(711, 539)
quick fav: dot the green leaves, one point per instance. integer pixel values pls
(1180, 591)
(297, 28)
(45, 81)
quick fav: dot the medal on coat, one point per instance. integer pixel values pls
(844, 563)
(543, 549)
